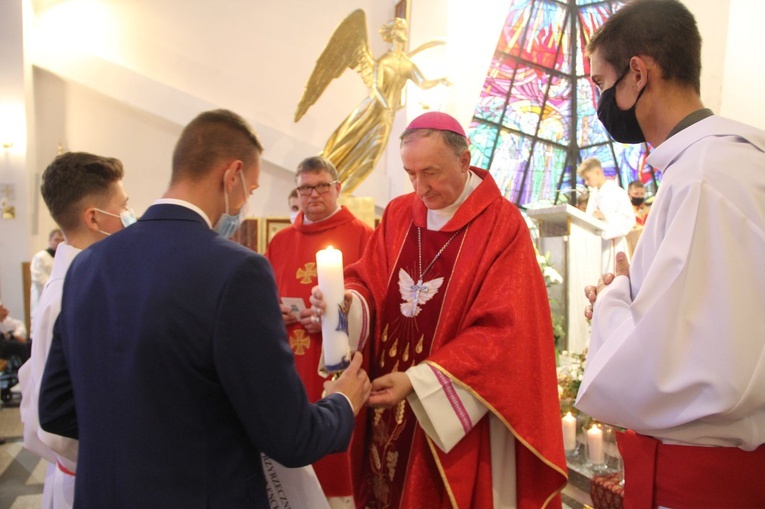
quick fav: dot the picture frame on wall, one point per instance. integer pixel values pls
(272, 226)
(248, 234)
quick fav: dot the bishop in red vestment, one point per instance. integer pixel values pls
(461, 347)
(292, 253)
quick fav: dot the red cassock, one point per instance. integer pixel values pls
(292, 253)
(487, 328)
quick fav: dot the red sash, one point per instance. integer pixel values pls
(683, 476)
(64, 469)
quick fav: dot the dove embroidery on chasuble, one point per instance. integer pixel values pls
(406, 340)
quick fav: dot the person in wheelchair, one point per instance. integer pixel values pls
(13, 337)
(15, 349)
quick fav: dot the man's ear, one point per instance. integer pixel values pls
(465, 160)
(89, 218)
(231, 174)
(641, 65)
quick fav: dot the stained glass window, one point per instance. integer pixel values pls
(536, 119)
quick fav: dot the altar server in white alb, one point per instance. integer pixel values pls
(40, 267)
(677, 353)
(84, 195)
(611, 204)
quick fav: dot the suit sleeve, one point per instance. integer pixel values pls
(256, 368)
(56, 405)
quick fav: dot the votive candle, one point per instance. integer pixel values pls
(595, 452)
(569, 432)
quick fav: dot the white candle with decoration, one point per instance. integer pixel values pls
(595, 452)
(569, 432)
(334, 321)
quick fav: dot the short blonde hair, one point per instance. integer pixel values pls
(592, 163)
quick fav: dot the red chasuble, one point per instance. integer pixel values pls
(292, 253)
(486, 327)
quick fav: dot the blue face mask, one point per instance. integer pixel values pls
(127, 217)
(227, 225)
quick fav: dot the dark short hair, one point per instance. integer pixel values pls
(73, 177)
(664, 30)
(293, 194)
(316, 164)
(210, 138)
(53, 232)
(457, 142)
(634, 184)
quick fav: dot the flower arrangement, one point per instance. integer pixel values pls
(552, 277)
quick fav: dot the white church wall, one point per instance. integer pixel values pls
(15, 183)
(160, 63)
(743, 71)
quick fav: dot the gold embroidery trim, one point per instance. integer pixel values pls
(507, 425)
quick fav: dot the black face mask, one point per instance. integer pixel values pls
(621, 124)
(637, 201)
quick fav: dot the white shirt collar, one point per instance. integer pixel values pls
(437, 219)
(184, 203)
(308, 221)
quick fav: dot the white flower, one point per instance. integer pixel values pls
(552, 276)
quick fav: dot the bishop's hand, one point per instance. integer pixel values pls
(389, 389)
(319, 305)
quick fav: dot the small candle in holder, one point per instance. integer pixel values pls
(334, 326)
(569, 432)
(595, 452)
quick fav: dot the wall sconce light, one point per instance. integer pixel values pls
(12, 122)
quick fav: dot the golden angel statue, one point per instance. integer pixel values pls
(357, 144)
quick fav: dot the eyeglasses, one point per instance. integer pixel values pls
(320, 188)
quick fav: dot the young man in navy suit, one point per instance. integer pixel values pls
(170, 361)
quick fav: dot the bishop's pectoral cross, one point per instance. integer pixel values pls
(417, 288)
(416, 294)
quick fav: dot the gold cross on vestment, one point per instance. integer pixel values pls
(305, 275)
(300, 342)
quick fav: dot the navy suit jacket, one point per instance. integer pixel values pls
(170, 364)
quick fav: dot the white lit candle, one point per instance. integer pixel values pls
(334, 331)
(569, 432)
(595, 452)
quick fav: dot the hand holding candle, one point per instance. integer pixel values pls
(334, 324)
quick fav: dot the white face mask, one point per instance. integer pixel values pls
(127, 217)
(294, 215)
(227, 225)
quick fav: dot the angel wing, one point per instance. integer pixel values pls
(347, 48)
(416, 294)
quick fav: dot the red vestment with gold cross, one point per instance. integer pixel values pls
(485, 328)
(292, 253)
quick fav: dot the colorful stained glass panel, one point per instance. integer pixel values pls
(522, 124)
